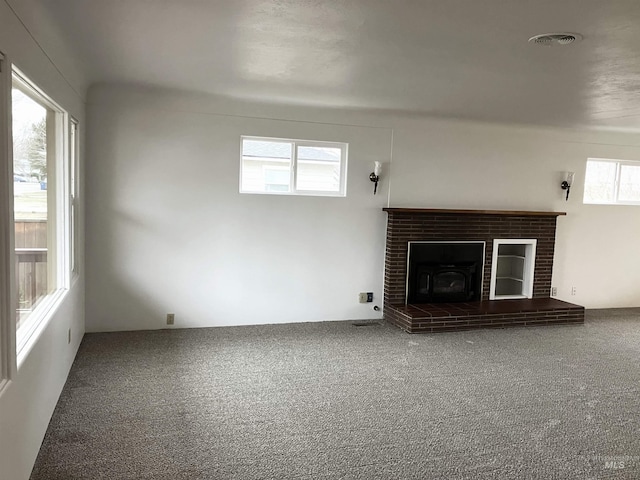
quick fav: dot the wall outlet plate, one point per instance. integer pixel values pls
(171, 318)
(554, 291)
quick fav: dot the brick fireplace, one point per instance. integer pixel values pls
(417, 225)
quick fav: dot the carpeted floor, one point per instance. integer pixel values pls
(338, 401)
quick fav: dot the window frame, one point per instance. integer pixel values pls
(295, 144)
(8, 362)
(616, 183)
(39, 318)
(74, 193)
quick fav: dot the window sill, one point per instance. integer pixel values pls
(297, 193)
(42, 316)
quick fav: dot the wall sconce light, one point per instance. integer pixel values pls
(375, 175)
(567, 182)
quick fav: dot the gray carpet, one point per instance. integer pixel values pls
(337, 401)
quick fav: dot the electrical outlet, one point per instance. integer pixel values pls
(573, 290)
(171, 318)
(554, 291)
(362, 297)
(369, 297)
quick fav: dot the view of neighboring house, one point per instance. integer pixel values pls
(267, 167)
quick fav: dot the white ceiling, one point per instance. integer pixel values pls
(455, 58)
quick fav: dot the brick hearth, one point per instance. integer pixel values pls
(410, 224)
(445, 317)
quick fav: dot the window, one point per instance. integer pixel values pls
(74, 187)
(612, 182)
(7, 326)
(40, 204)
(298, 167)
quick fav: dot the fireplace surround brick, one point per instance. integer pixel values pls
(405, 225)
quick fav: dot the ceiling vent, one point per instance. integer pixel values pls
(550, 39)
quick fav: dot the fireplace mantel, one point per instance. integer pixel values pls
(502, 213)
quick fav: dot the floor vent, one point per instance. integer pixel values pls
(549, 39)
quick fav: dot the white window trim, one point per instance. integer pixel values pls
(74, 194)
(616, 184)
(295, 143)
(8, 362)
(42, 314)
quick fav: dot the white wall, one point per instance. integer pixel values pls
(169, 232)
(27, 403)
(465, 165)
